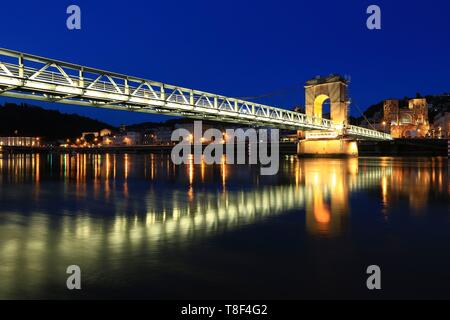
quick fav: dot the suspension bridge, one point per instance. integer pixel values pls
(27, 76)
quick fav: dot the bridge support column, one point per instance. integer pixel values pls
(327, 148)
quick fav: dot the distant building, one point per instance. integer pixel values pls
(20, 141)
(105, 132)
(441, 125)
(410, 122)
(101, 133)
(129, 138)
(190, 127)
(148, 137)
(85, 134)
(158, 135)
(132, 138)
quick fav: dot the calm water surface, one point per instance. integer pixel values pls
(140, 227)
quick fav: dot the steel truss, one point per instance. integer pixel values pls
(32, 77)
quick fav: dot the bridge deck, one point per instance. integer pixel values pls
(33, 77)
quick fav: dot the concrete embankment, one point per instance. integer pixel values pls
(398, 147)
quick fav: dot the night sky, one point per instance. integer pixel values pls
(243, 48)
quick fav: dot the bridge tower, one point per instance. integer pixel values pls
(327, 143)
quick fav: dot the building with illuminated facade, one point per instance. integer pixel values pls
(129, 138)
(406, 122)
(20, 141)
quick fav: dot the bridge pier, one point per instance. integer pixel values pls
(332, 142)
(327, 148)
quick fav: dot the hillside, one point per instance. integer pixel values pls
(438, 103)
(27, 120)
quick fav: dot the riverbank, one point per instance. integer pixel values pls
(398, 147)
(404, 147)
(284, 148)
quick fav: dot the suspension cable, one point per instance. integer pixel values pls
(279, 92)
(362, 113)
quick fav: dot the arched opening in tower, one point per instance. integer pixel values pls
(322, 106)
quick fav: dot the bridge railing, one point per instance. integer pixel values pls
(52, 80)
(368, 133)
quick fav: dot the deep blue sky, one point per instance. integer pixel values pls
(243, 48)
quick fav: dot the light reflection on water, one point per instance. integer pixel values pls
(115, 214)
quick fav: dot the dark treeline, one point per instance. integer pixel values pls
(28, 120)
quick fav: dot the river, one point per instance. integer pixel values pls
(140, 227)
